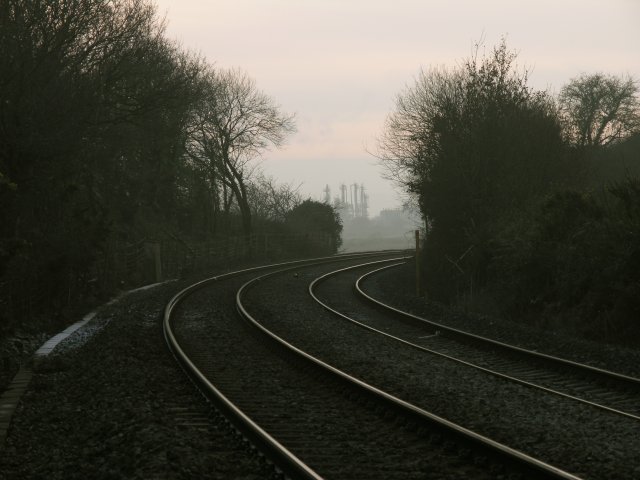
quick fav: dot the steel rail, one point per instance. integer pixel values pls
(507, 455)
(495, 373)
(270, 447)
(626, 379)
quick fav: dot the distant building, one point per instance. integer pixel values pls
(353, 201)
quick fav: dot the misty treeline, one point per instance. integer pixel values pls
(111, 134)
(531, 200)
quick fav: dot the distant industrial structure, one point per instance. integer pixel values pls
(353, 201)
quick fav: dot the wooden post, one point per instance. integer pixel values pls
(418, 286)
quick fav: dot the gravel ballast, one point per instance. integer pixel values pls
(110, 403)
(333, 431)
(577, 438)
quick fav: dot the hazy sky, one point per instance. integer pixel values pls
(338, 64)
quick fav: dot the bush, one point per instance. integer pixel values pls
(319, 224)
(575, 263)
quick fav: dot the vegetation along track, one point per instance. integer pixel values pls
(575, 437)
(311, 419)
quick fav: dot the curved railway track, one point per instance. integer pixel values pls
(609, 391)
(589, 442)
(309, 418)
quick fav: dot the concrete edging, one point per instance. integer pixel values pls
(11, 396)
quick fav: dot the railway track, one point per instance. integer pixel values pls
(309, 418)
(599, 388)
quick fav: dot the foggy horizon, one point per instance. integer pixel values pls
(339, 66)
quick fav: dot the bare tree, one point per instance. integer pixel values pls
(233, 126)
(471, 144)
(273, 201)
(405, 145)
(600, 109)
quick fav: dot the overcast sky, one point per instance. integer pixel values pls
(338, 64)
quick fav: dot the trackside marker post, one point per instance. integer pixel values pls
(418, 289)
